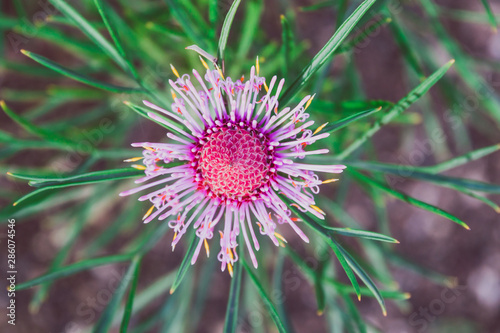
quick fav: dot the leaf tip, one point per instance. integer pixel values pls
(451, 282)
(319, 312)
(497, 209)
(407, 295)
(384, 312)
(26, 53)
(172, 290)
(127, 103)
(3, 105)
(451, 62)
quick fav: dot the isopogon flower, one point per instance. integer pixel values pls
(239, 154)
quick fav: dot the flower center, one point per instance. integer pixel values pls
(234, 162)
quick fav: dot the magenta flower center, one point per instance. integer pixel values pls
(235, 162)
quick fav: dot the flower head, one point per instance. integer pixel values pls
(238, 155)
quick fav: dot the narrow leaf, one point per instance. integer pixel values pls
(326, 52)
(461, 160)
(408, 199)
(362, 234)
(364, 277)
(267, 300)
(77, 76)
(90, 31)
(127, 312)
(410, 172)
(85, 178)
(398, 108)
(185, 264)
(231, 321)
(74, 268)
(106, 319)
(346, 121)
(491, 15)
(105, 12)
(226, 27)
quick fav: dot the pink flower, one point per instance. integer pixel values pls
(240, 154)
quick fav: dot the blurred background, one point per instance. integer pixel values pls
(452, 275)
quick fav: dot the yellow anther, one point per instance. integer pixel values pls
(220, 71)
(175, 236)
(266, 87)
(150, 210)
(320, 128)
(279, 236)
(257, 65)
(329, 181)
(316, 208)
(148, 148)
(174, 70)
(203, 62)
(230, 254)
(230, 269)
(174, 96)
(138, 167)
(206, 247)
(134, 159)
(309, 102)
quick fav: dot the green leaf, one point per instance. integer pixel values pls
(43, 290)
(106, 319)
(286, 40)
(406, 48)
(91, 32)
(226, 27)
(53, 182)
(363, 35)
(185, 21)
(346, 121)
(326, 52)
(397, 109)
(85, 178)
(79, 77)
(249, 28)
(231, 321)
(362, 234)
(339, 286)
(74, 268)
(354, 313)
(319, 290)
(267, 301)
(166, 123)
(105, 12)
(35, 130)
(408, 199)
(127, 312)
(491, 15)
(185, 264)
(364, 277)
(325, 233)
(461, 160)
(407, 171)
